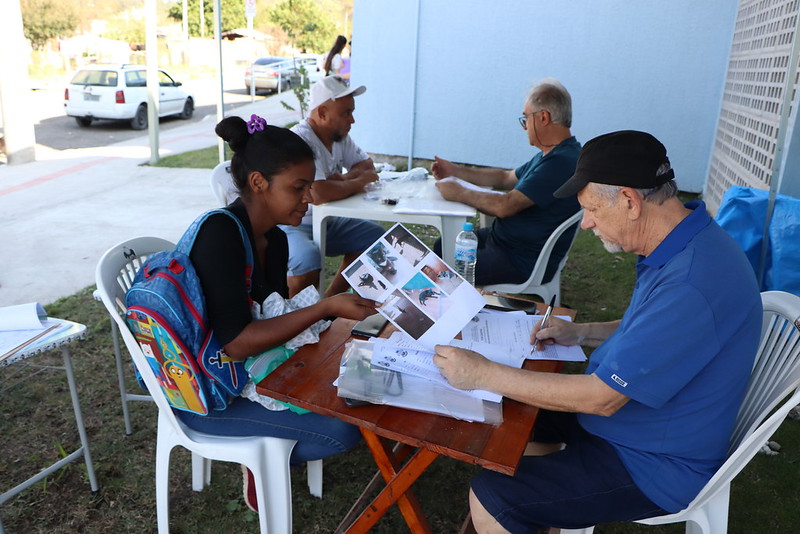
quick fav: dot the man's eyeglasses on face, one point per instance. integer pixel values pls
(523, 120)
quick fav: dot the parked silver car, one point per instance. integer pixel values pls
(274, 73)
(119, 92)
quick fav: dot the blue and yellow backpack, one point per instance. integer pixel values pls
(167, 315)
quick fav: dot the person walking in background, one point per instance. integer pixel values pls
(333, 61)
(344, 72)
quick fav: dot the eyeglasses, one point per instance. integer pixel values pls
(523, 120)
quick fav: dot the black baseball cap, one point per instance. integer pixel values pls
(627, 158)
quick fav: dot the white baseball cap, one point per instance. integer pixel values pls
(331, 88)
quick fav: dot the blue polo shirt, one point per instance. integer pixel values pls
(683, 353)
(525, 233)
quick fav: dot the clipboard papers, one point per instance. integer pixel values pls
(23, 325)
(363, 378)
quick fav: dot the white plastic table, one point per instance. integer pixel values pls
(448, 223)
(61, 340)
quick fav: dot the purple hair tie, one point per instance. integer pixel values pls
(256, 124)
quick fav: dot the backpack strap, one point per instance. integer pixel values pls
(187, 241)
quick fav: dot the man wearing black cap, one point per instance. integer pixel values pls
(644, 429)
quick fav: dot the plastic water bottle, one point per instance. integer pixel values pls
(466, 255)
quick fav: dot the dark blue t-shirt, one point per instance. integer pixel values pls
(525, 233)
(683, 353)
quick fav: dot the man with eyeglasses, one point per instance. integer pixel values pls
(521, 199)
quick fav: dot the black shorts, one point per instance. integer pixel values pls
(583, 485)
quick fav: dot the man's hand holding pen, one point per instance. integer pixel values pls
(557, 331)
(544, 323)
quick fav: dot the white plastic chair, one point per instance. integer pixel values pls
(266, 457)
(535, 284)
(135, 251)
(776, 374)
(222, 184)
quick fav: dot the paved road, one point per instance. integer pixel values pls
(57, 131)
(61, 212)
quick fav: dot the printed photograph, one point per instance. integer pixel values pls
(427, 295)
(407, 245)
(405, 315)
(366, 281)
(385, 260)
(442, 274)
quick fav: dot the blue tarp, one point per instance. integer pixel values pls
(742, 214)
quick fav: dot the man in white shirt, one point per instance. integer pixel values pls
(343, 169)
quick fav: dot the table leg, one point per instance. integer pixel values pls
(76, 406)
(398, 486)
(319, 231)
(400, 451)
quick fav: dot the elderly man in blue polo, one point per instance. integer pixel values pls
(644, 429)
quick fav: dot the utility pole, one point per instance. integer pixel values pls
(185, 19)
(20, 138)
(153, 88)
(202, 19)
(221, 98)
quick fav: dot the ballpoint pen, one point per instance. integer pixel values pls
(544, 320)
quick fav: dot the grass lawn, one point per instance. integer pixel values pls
(36, 426)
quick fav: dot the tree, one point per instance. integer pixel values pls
(308, 28)
(232, 15)
(125, 27)
(43, 20)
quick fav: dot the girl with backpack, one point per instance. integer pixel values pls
(273, 169)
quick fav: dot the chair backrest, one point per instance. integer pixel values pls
(540, 268)
(570, 225)
(776, 369)
(222, 184)
(775, 375)
(114, 276)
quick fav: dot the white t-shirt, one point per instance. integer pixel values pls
(345, 154)
(336, 64)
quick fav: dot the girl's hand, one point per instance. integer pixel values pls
(350, 306)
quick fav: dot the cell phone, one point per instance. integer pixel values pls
(369, 327)
(354, 403)
(508, 303)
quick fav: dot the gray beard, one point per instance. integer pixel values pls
(613, 248)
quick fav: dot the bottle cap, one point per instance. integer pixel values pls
(467, 226)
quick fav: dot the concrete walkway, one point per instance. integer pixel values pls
(58, 215)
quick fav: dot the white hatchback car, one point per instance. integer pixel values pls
(119, 92)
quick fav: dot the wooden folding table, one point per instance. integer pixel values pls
(306, 380)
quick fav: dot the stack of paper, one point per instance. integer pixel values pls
(23, 324)
(511, 331)
(430, 201)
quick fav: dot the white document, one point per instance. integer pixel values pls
(512, 331)
(427, 206)
(418, 363)
(22, 317)
(419, 293)
(13, 341)
(428, 200)
(469, 185)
